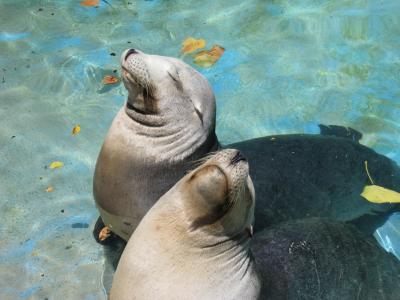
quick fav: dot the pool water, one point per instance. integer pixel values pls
(288, 66)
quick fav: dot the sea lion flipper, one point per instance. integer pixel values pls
(340, 131)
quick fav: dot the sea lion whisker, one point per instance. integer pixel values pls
(201, 160)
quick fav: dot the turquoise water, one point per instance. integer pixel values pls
(288, 66)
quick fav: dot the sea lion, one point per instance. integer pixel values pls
(318, 175)
(317, 258)
(190, 244)
(195, 243)
(167, 123)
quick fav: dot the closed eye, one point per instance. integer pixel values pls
(178, 83)
(199, 115)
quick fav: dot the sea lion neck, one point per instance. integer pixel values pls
(145, 119)
(232, 254)
(185, 267)
(173, 138)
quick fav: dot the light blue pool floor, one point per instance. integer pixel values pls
(288, 66)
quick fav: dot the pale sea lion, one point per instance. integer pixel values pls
(190, 244)
(195, 243)
(167, 123)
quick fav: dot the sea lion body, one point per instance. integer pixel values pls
(315, 175)
(166, 125)
(178, 247)
(325, 260)
(195, 243)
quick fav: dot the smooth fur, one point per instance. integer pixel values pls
(169, 258)
(167, 123)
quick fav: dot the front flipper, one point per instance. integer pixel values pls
(340, 131)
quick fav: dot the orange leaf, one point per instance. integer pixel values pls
(90, 3)
(190, 44)
(104, 233)
(76, 130)
(108, 79)
(49, 189)
(207, 58)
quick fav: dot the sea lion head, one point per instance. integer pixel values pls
(160, 85)
(218, 197)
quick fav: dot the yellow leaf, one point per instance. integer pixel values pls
(90, 3)
(207, 58)
(190, 45)
(56, 164)
(76, 130)
(108, 79)
(49, 189)
(378, 194)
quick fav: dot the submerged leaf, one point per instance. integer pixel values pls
(378, 194)
(207, 58)
(49, 189)
(90, 3)
(76, 130)
(108, 79)
(56, 165)
(191, 44)
(104, 233)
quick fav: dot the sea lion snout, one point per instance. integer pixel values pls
(237, 158)
(129, 52)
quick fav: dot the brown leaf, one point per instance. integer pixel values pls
(108, 79)
(90, 3)
(191, 44)
(207, 58)
(49, 189)
(104, 233)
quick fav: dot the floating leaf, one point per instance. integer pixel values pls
(104, 233)
(378, 194)
(207, 58)
(56, 165)
(191, 44)
(76, 130)
(90, 3)
(108, 79)
(49, 189)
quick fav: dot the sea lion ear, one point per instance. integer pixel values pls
(208, 196)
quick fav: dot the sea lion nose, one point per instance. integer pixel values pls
(238, 157)
(130, 52)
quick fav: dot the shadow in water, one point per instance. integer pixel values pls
(113, 247)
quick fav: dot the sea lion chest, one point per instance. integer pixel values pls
(129, 175)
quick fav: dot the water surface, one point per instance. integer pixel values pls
(288, 66)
